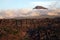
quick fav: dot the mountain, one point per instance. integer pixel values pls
(40, 7)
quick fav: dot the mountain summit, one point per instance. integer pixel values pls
(39, 7)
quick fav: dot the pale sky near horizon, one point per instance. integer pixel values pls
(17, 4)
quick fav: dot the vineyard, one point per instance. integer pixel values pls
(30, 29)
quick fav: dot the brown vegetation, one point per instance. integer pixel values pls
(30, 29)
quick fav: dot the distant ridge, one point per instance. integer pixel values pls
(40, 7)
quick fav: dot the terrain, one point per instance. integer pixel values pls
(30, 29)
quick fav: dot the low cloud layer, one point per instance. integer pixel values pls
(28, 13)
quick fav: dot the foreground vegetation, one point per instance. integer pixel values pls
(30, 29)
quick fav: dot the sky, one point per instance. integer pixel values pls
(17, 4)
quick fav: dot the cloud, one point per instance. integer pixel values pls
(9, 13)
(27, 13)
(1, 17)
(43, 3)
(24, 11)
(52, 13)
